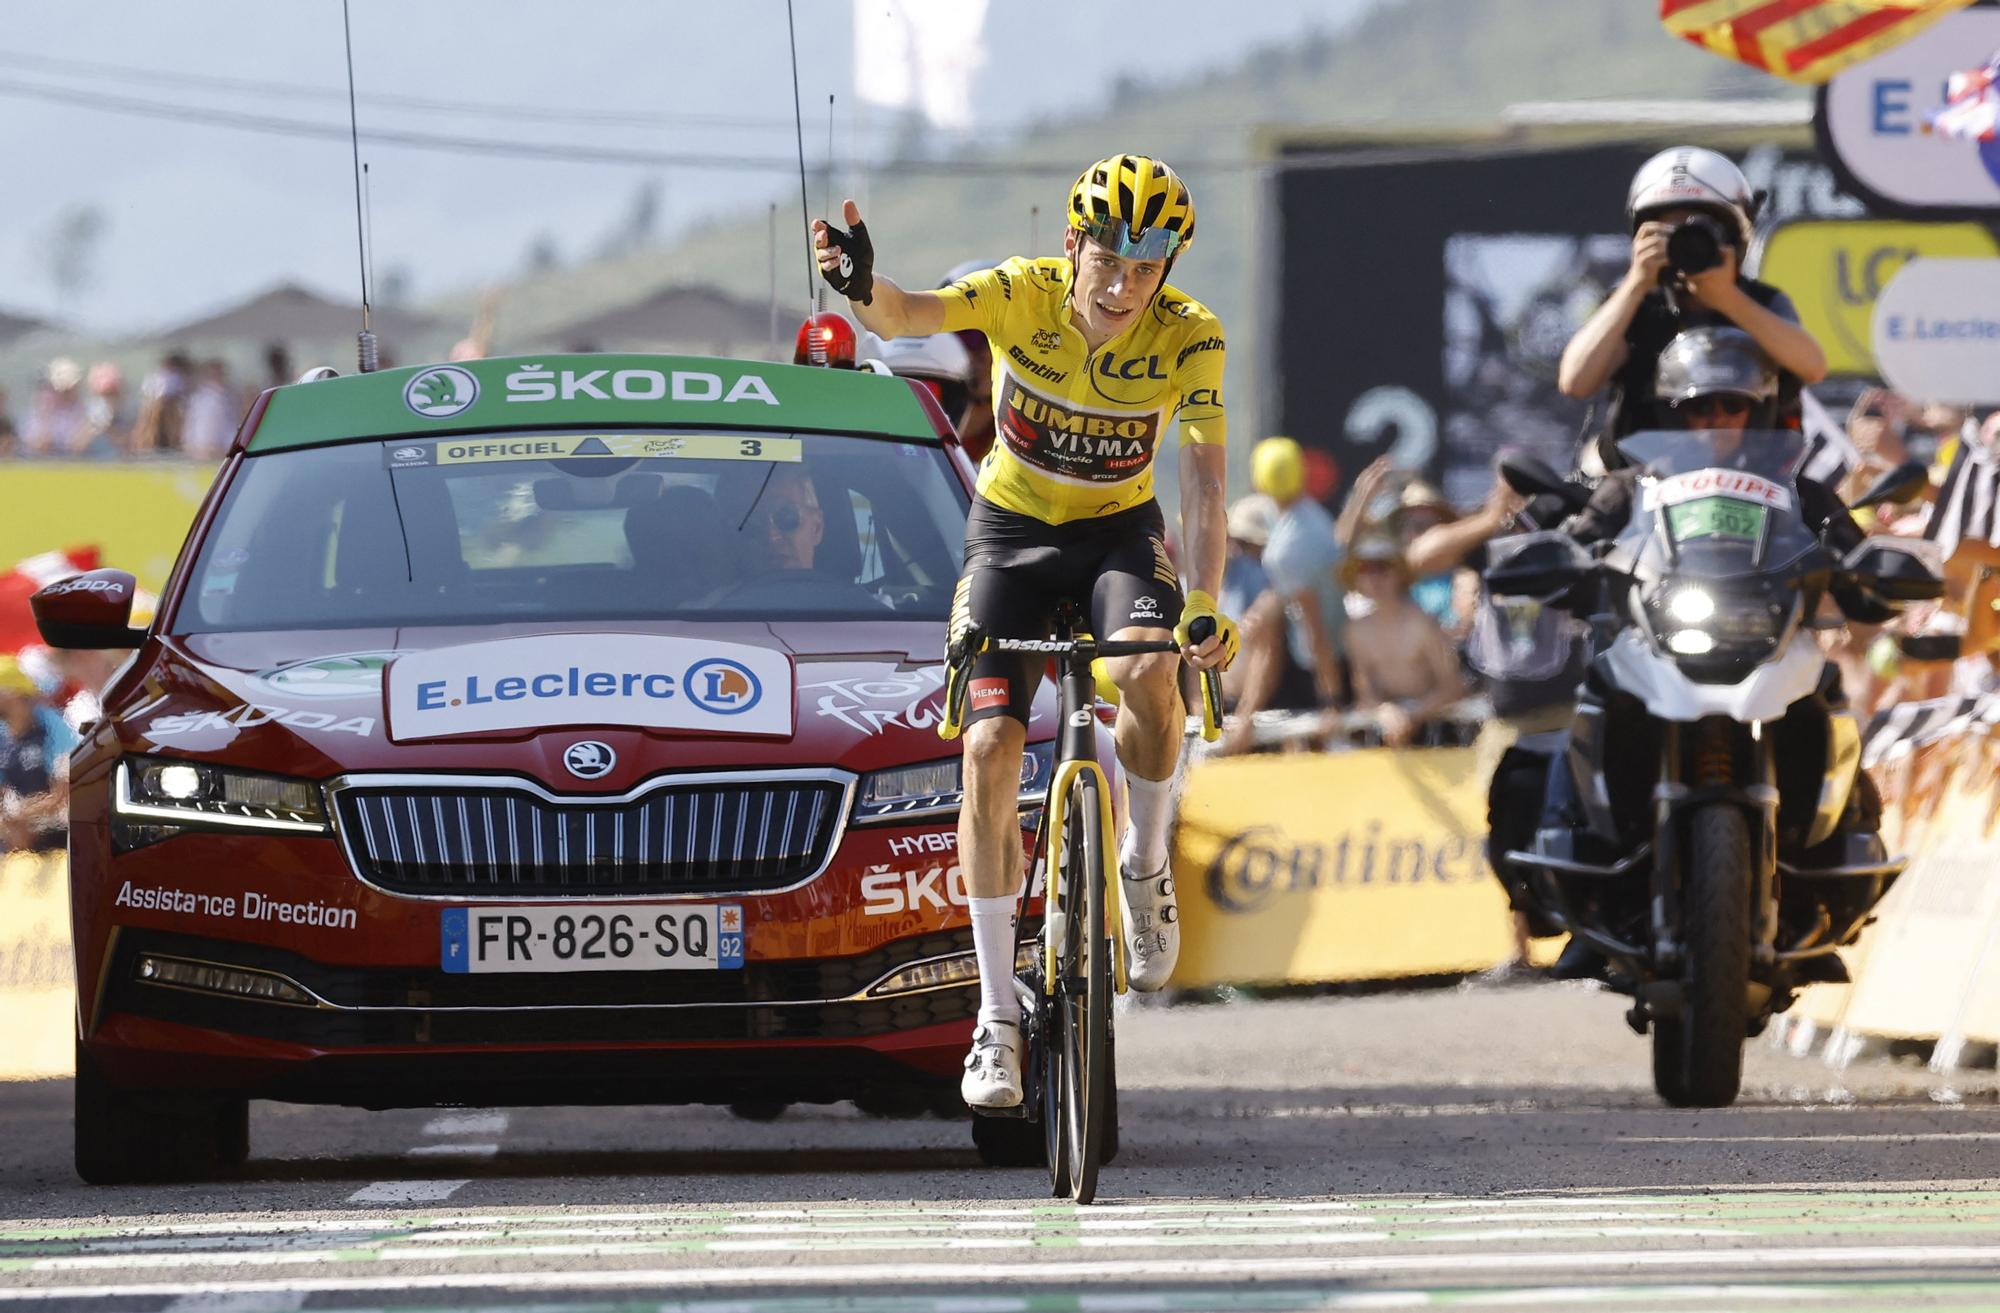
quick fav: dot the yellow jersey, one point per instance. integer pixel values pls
(1076, 430)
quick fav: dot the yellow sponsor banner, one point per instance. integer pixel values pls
(1346, 866)
(1834, 269)
(37, 975)
(136, 515)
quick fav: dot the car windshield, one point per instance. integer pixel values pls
(581, 526)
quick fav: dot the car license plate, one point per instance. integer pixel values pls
(593, 937)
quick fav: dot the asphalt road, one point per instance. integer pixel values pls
(1473, 1148)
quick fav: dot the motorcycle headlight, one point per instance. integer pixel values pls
(1718, 627)
(156, 790)
(934, 787)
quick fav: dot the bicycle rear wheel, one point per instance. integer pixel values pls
(1083, 993)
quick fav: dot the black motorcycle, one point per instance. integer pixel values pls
(1722, 840)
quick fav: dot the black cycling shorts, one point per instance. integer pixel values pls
(1018, 568)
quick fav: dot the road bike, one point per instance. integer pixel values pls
(1068, 1115)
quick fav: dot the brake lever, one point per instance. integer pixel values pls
(1200, 630)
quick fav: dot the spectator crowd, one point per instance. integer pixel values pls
(182, 407)
(1373, 621)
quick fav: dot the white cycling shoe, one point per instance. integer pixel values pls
(1152, 928)
(993, 1068)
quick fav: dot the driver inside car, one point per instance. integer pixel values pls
(780, 540)
(786, 528)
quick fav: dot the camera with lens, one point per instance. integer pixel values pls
(1694, 245)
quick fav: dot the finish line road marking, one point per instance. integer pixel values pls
(964, 1274)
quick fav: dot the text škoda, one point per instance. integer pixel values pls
(533, 383)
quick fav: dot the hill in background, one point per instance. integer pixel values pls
(1423, 65)
(1413, 66)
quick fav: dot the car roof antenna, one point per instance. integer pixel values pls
(814, 344)
(365, 341)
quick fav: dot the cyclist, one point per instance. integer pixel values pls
(1093, 356)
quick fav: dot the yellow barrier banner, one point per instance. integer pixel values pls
(37, 975)
(1933, 927)
(1296, 869)
(137, 515)
(1835, 269)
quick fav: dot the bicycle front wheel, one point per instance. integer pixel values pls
(1083, 994)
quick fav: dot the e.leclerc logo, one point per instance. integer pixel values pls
(547, 681)
(441, 392)
(722, 686)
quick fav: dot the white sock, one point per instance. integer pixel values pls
(1149, 808)
(993, 944)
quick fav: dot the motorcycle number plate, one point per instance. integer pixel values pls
(1716, 517)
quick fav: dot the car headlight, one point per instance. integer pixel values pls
(192, 793)
(933, 787)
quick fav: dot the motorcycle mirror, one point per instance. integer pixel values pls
(1531, 475)
(1904, 483)
(1538, 565)
(1895, 570)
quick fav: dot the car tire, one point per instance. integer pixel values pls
(760, 1110)
(128, 1137)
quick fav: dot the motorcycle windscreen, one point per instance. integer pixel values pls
(1717, 502)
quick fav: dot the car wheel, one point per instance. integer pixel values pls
(762, 1110)
(129, 1136)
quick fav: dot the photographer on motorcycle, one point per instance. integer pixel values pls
(1690, 212)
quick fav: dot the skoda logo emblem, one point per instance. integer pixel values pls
(589, 760)
(441, 391)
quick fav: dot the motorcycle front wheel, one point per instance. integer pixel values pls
(1698, 1056)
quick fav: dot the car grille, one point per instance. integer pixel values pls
(736, 836)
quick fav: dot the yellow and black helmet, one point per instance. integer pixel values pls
(1134, 206)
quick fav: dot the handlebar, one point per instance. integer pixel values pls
(974, 643)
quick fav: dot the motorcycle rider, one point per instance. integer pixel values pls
(1716, 380)
(1094, 354)
(1686, 207)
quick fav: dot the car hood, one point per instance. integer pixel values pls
(864, 695)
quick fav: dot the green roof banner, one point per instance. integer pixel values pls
(609, 391)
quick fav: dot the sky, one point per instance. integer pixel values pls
(198, 215)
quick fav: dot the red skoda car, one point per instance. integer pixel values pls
(552, 730)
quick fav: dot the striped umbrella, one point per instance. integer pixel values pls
(1801, 40)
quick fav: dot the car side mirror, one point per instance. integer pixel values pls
(1904, 483)
(1896, 569)
(89, 610)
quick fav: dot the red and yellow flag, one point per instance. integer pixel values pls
(1801, 40)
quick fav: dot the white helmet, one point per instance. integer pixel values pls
(940, 356)
(1693, 177)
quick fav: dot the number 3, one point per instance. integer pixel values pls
(751, 447)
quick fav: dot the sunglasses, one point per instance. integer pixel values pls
(786, 518)
(1721, 404)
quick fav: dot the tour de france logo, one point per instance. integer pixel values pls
(441, 392)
